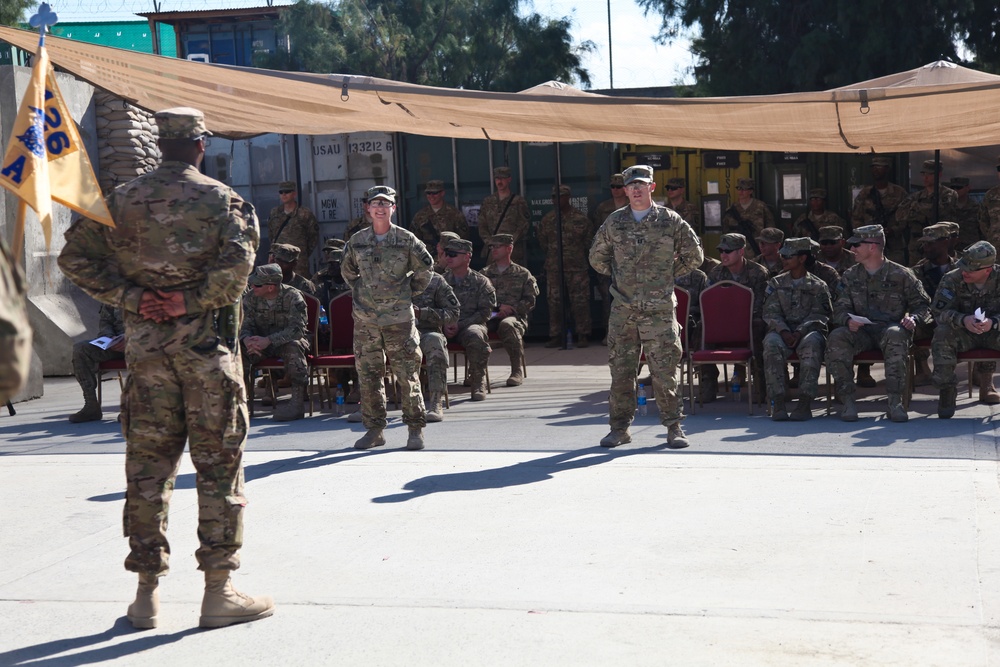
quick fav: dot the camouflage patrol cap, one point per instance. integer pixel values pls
(873, 233)
(796, 246)
(266, 274)
(502, 239)
(561, 190)
(433, 186)
(958, 182)
(931, 167)
(732, 242)
(334, 243)
(881, 161)
(181, 123)
(502, 172)
(459, 245)
(675, 182)
(935, 232)
(448, 236)
(771, 235)
(953, 227)
(288, 185)
(817, 193)
(979, 255)
(617, 179)
(381, 192)
(744, 184)
(831, 233)
(285, 252)
(639, 172)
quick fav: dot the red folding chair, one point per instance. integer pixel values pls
(726, 332)
(341, 316)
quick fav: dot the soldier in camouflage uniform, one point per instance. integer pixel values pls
(618, 200)
(88, 357)
(643, 248)
(516, 291)
(989, 214)
(965, 212)
(15, 333)
(478, 302)
(917, 210)
(328, 280)
(876, 205)
(822, 271)
(440, 259)
(576, 237)
(833, 251)
(437, 217)
(385, 266)
(504, 212)
(434, 309)
(176, 265)
(274, 325)
(293, 224)
(936, 262)
(363, 221)
(748, 216)
(769, 241)
(676, 201)
(287, 256)
(894, 300)
(797, 309)
(973, 285)
(809, 223)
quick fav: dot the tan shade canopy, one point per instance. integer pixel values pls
(936, 106)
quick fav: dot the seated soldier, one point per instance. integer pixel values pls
(87, 357)
(434, 309)
(769, 241)
(440, 265)
(973, 286)
(478, 301)
(274, 325)
(797, 309)
(516, 291)
(287, 256)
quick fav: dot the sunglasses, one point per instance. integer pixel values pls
(723, 251)
(452, 254)
(855, 245)
(285, 192)
(829, 242)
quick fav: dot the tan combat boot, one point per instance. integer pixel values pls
(987, 392)
(143, 612)
(91, 411)
(675, 436)
(415, 438)
(224, 605)
(435, 412)
(293, 408)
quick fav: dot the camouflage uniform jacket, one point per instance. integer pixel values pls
(301, 231)
(989, 216)
(476, 295)
(428, 225)
(643, 258)
(576, 236)
(930, 275)
(804, 308)
(283, 319)
(827, 274)
(864, 211)
(955, 299)
(687, 211)
(111, 323)
(328, 285)
(758, 214)
(356, 225)
(177, 230)
(753, 276)
(917, 211)
(438, 306)
(604, 209)
(514, 222)
(967, 216)
(808, 224)
(515, 287)
(302, 284)
(385, 276)
(884, 298)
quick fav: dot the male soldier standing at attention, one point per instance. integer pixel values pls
(435, 308)
(918, 210)
(748, 216)
(385, 266)
(516, 292)
(176, 264)
(437, 217)
(797, 309)
(504, 212)
(293, 224)
(618, 200)
(478, 301)
(989, 214)
(87, 359)
(973, 285)
(809, 223)
(894, 301)
(876, 204)
(643, 247)
(576, 236)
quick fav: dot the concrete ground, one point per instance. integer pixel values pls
(515, 540)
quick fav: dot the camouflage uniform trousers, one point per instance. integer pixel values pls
(435, 350)
(511, 331)
(475, 339)
(195, 398)
(86, 359)
(292, 353)
(842, 345)
(776, 353)
(578, 288)
(629, 334)
(400, 343)
(946, 345)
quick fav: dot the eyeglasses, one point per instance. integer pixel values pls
(829, 242)
(636, 185)
(285, 192)
(380, 203)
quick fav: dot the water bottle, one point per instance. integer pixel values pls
(569, 339)
(323, 319)
(339, 396)
(641, 400)
(737, 389)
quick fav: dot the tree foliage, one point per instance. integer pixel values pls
(12, 12)
(474, 44)
(775, 46)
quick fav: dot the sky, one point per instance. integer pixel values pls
(638, 61)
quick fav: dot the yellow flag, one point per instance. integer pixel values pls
(46, 158)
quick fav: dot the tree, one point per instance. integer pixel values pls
(770, 46)
(12, 12)
(473, 44)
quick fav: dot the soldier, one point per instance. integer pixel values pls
(87, 357)
(435, 308)
(328, 280)
(437, 217)
(576, 236)
(676, 201)
(832, 249)
(274, 325)
(736, 267)
(797, 309)
(965, 212)
(971, 290)
(440, 263)
(955, 230)
(293, 224)
(286, 256)
(15, 333)
(748, 216)
(478, 302)
(809, 223)
(363, 221)
(876, 204)
(917, 210)
(989, 213)
(643, 248)
(824, 272)
(176, 265)
(769, 241)
(516, 291)
(618, 200)
(504, 212)
(385, 266)
(893, 300)
(936, 262)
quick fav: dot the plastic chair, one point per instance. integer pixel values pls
(726, 332)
